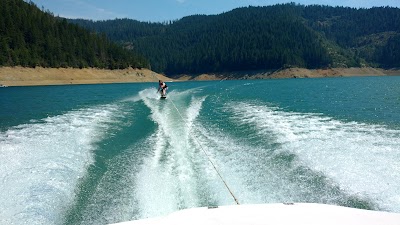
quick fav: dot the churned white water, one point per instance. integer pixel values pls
(362, 159)
(42, 163)
(126, 154)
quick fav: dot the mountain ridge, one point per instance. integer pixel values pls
(269, 38)
(30, 37)
(264, 38)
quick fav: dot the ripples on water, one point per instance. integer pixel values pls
(110, 153)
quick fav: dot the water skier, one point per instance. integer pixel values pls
(163, 87)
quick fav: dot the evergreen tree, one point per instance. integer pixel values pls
(31, 37)
(254, 38)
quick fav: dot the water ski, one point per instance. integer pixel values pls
(163, 97)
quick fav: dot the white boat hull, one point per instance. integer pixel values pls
(274, 214)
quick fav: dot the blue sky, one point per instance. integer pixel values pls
(164, 10)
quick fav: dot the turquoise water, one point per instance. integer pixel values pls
(98, 154)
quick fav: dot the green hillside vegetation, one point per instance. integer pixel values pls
(263, 38)
(370, 35)
(30, 37)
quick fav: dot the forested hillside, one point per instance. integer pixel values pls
(372, 35)
(272, 37)
(30, 37)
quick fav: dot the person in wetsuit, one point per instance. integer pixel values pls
(163, 87)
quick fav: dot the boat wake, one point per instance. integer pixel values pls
(143, 157)
(363, 160)
(43, 162)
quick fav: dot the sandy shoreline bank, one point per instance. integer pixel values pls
(333, 72)
(21, 76)
(296, 73)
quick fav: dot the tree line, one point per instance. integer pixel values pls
(370, 34)
(269, 37)
(30, 37)
(247, 38)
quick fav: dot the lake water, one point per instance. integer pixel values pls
(98, 154)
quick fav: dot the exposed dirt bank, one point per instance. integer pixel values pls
(21, 76)
(295, 73)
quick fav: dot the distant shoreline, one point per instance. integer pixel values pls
(22, 76)
(295, 73)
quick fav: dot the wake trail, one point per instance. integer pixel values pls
(43, 162)
(362, 159)
(168, 176)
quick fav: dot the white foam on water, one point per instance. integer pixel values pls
(362, 159)
(245, 168)
(166, 182)
(134, 98)
(179, 174)
(113, 199)
(41, 164)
